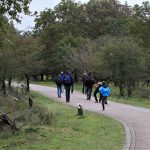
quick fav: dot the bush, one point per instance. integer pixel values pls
(145, 93)
(20, 112)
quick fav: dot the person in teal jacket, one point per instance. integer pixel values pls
(105, 92)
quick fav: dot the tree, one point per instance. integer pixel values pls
(13, 7)
(104, 17)
(139, 27)
(6, 52)
(72, 18)
(123, 60)
(7, 61)
(54, 30)
(28, 62)
(139, 24)
(84, 57)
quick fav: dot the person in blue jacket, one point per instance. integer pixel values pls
(105, 92)
(68, 84)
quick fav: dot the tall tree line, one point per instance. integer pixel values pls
(102, 36)
(9, 50)
(105, 37)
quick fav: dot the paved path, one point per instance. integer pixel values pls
(135, 120)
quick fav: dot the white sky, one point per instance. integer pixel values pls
(39, 5)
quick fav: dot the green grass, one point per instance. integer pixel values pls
(44, 83)
(68, 131)
(135, 100)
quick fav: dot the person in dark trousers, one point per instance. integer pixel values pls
(62, 78)
(97, 86)
(83, 82)
(89, 84)
(105, 92)
(59, 83)
(68, 84)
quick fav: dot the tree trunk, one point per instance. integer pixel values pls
(42, 76)
(9, 82)
(27, 82)
(3, 86)
(121, 91)
(35, 77)
(129, 90)
(47, 77)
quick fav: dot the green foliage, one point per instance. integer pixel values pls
(74, 36)
(102, 15)
(123, 60)
(84, 57)
(8, 36)
(16, 105)
(68, 130)
(140, 23)
(12, 8)
(70, 19)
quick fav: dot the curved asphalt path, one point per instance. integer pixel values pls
(135, 120)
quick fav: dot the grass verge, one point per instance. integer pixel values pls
(67, 131)
(140, 102)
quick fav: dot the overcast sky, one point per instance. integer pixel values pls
(39, 5)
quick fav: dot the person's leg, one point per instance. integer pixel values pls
(90, 92)
(100, 97)
(87, 92)
(95, 92)
(83, 88)
(61, 88)
(106, 100)
(103, 102)
(67, 93)
(103, 105)
(59, 91)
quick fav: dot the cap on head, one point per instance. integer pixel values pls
(99, 83)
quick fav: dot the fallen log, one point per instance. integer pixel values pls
(5, 120)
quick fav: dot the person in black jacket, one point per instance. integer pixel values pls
(89, 84)
(97, 86)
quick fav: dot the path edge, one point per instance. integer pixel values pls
(128, 132)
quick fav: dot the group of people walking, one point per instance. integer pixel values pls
(89, 83)
(66, 80)
(101, 88)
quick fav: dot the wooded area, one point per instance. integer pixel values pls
(104, 37)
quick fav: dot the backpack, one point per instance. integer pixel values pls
(68, 79)
(59, 80)
(105, 91)
(89, 82)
